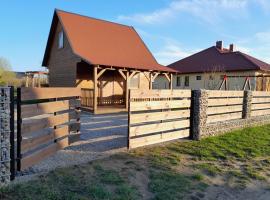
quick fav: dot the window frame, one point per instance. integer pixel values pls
(61, 40)
(186, 81)
(178, 81)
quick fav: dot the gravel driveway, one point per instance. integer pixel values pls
(101, 136)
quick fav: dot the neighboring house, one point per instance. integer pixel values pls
(206, 70)
(20, 75)
(106, 59)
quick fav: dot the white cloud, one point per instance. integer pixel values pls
(171, 53)
(265, 4)
(207, 10)
(263, 37)
(243, 49)
(257, 45)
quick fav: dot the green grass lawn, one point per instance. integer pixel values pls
(176, 170)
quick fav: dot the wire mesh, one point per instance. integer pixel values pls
(4, 135)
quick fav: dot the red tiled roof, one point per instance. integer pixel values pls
(107, 43)
(214, 59)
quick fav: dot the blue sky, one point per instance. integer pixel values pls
(172, 29)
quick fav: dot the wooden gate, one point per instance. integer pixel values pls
(48, 119)
(158, 116)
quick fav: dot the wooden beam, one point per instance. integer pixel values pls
(122, 74)
(132, 74)
(167, 76)
(32, 110)
(100, 73)
(146, 76)
(171, 82)
(155, 76)
(27, 81)
(127, 89)
(150, 81)
(95, 88)
(49, 93)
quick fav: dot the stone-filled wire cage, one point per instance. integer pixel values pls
(5, 135)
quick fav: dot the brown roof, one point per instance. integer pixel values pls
(106, 43)
(214, 59)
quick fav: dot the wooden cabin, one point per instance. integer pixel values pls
(103, 58)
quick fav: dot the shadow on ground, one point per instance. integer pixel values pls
(102, 133)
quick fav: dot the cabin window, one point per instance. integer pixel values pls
(186, 81)
(135, 81)
(178, 81)
(61, 40)
(198, 78)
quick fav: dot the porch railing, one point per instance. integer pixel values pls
(87, 98)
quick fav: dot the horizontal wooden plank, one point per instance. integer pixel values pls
(47, 136)
(155, 116)
(225, 101)
(261, 100)
(47, 122)
(40, 155)
(49, 107)
(48, 93)
(260, 106)
(222, 93)
(159, 93)
(224, 109)
(260, 112)
(158, 127)
(260, 94)
(158, 138)
(154, 105)
(224, 117)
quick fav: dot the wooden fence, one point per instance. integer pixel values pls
(161, 115)
(158, 116)
(260, 103)
(47, 117)
(224, 105)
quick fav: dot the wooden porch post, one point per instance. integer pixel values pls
(171, 82)
(27, 81)
(95, 75)
(150, 81)
(127, 89)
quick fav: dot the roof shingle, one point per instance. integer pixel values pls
(107, 43)
(213, 59)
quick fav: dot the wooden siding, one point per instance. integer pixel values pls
(62, 63)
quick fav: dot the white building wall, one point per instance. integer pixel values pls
(209, 81)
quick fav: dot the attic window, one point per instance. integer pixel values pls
(61, 40)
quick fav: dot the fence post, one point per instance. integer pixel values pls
(19, 123)
(12, 136)
(247, 100)
(129, 113)
(199, 105)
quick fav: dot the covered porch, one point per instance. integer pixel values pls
(105, 88)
